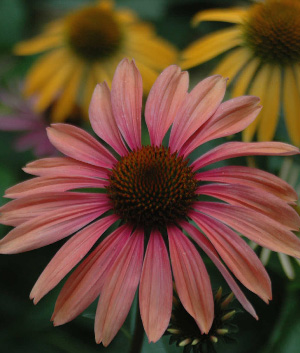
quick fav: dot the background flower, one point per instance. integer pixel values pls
(84, 48)
(264, 61)
(154, 192)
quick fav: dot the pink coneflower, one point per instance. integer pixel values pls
(17, 114)
(152, 192)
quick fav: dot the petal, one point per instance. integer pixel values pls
(68, 256)
(191, 279)
(21, 210)
(231, 117)
(242, 83)
(239, 149)
(237, 255)
(291, 104)
(52, 184)
(103, 121)
(254, 225)
(156, 288)
(64, 166)
(250, 177)
(39, 44)
(126, 98)
(256, 199)
(78, 144)
(210, 46)
(119, 289)
(211, 253)
(232, 15)
(198, 106)
(47, 229)
(164, 100)
(85, 283)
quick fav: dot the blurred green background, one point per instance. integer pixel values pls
(27, 328)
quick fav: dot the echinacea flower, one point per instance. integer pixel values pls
(17, 114)
(264, 61)
(151, 193)
(84, 48)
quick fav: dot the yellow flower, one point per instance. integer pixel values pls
(84, 48)
(264, 60)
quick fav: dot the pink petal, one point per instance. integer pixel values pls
(49, 228)
(21, 210)
(198, 106)
(64, 166)
(86, 282)
(78, 144)
(237, 255)
(103, 120)
(126, 98)
(254, 225)
(191, 279)
(164, 100)
(238, 149)
(231, 117)
(156, 288)
(69, 255)
(119, 289)
(250, 177)
(52, 184)
(211, 253)
(258, 200)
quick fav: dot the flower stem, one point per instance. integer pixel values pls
(138, 335)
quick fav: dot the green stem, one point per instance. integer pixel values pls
(138, 335)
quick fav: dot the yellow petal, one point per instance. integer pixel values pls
(89, 86)
(148, 74)
(102, 75)
(232, 63)
(39, 44)
(244, 79)
(291, 103)
(258, 88)
(270, 112)
(54, 85)
(233, 15)
(67, 99)
(210, 46)
(43, 69)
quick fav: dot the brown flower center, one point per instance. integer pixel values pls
(272, 31)
(152, 187)
(93, 32)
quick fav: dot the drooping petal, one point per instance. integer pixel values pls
(68, 256)
(256, 199)
(103, 120)
(250, 177)
(64, 166)
(38, 44)
(78, 144)
(212, 254)
(210, 46)
(126, 98)
(52, 184)
(191, 279)
(237, 255)
(164, 100)
(238, 149)
(119, 289)
(254, 225)
(47, 229)
(85, 283)
(232, 15)
(199, 105)
(25, 208)
(231, 117)
(242, 82)
(155, 293)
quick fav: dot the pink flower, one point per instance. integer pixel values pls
(20, 116)
(151, 193)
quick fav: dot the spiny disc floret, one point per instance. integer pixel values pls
(152, 187)
(93, 33)
(272, 31)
